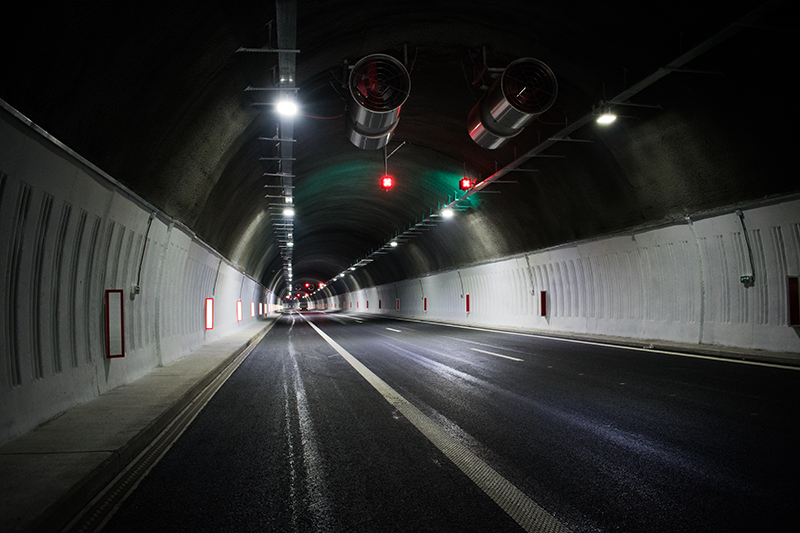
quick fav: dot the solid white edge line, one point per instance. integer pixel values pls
(527, 513)
(496, 354)
(595, 343)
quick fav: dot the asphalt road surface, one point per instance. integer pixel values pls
(407, 426)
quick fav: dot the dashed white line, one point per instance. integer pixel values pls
(395, 330)
(497, 354)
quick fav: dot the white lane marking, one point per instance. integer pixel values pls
(619, 346)
(496, 354)
(395, 330)
(513, 501)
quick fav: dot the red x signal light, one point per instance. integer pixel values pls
(465, 184)
(387, 182)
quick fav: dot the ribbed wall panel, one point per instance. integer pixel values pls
(68, 234)
(678, 283)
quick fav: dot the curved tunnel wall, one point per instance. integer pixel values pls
(677, 283)
(69, 234)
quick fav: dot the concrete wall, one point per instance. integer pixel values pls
(68, 234)
(677, 283)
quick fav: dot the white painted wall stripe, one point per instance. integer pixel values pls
(513, 501)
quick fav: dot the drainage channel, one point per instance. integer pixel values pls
(99, 511)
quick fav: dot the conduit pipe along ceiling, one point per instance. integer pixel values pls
(379, 84)
(525, 89)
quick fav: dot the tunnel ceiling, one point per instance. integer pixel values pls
(157, 99)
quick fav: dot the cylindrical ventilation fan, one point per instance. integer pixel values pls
(526, 88)
(379, 85)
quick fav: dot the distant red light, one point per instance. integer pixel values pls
(387, 182)
(465, 184)
(308, 285)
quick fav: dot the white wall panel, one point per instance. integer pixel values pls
(69, 233)
(676, 283)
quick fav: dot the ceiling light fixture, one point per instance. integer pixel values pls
(286, 108)
(447, 212)
(606, 118)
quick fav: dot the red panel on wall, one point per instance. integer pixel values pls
(794, 301)
(467, 303)
(115, 324)
(544, 303)
(398, 304)
(424, 304)
(209, 313)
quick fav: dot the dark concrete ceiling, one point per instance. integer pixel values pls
(157, 99)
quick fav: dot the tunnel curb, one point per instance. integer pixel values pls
(59, 514)
(718, 351)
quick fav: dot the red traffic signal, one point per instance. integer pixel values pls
(465, 184)
(387, 182)
(308, 285)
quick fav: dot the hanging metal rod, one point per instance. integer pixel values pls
(278, 139)
(570, 140)
(279, 174)
(251, 88)
(396, 149)
(267, 50)
(277, 159)
(279, 186)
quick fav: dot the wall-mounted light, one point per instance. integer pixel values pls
(447, 212)
(393, 244)
(288, 212)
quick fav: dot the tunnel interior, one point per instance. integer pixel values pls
(159, 100)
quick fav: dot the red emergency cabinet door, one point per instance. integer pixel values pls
(794, 301)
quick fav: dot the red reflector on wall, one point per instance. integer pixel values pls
(252, 309)
(115, 324)
(467, 303)
(544, 303)
(379, 304)
(239, 316)
(209, 313)
(424, 304)
(398, 304)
